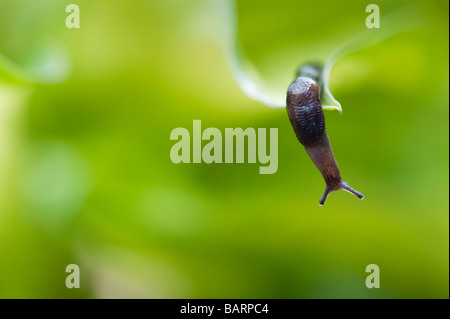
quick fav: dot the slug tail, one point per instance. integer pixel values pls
(347, 188)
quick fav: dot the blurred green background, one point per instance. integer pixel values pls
(86, 176)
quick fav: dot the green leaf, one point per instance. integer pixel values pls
(256, 87)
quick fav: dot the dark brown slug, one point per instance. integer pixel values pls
(307, 118)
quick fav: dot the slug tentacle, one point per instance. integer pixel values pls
(325, 195)
(347, 188)
(308, 121)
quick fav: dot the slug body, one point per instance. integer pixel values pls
(308, 121)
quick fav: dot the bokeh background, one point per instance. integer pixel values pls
(86, 176)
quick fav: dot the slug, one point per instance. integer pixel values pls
(308, 121)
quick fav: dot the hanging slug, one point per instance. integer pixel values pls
(306, 116)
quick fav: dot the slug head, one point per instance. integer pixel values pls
(342, 185)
